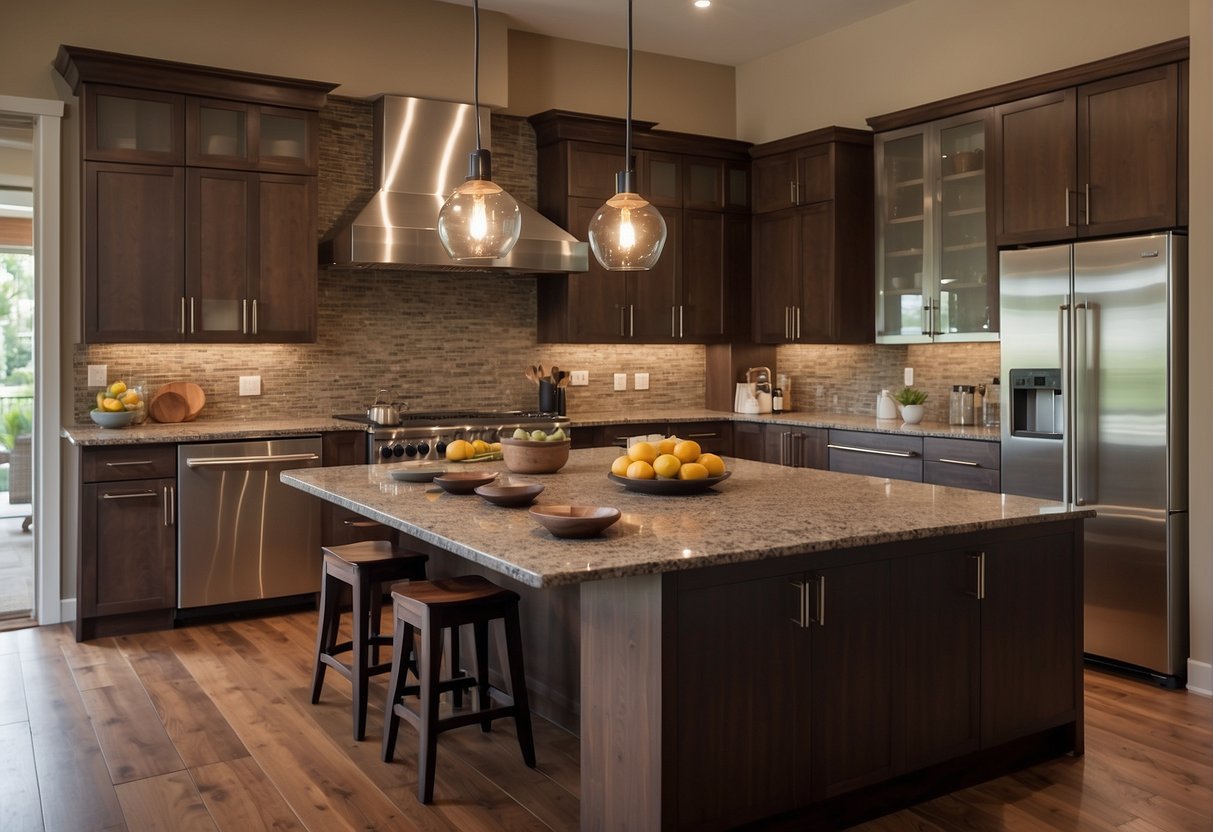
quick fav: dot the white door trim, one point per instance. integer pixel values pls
(47, 116)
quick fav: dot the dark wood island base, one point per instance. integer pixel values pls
(831, 687)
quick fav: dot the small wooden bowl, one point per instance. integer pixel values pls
(575, 521)
(511, 496)
(526, 456)
(463, 482)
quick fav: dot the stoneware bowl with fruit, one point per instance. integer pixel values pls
(537, 453)
(108, 419)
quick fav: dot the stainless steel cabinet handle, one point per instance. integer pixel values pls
(785, 448)
(960, 462)
(703, 436)
(792, 189)
(673, 327)
(800, 603)
(926, 315)
(361, 524)
(192, 329)
(254, 316)
(1086, 219)
(978, 559)
(129, 464)
(170, 513)
(230, 461)
(631, 320)
(877, 451)
(622, 331)
(244, 316)
(680, 329)
(787, 322)
(129, 496)
(182, 329)
(1067, 193)
(797, 323)
(818, 616)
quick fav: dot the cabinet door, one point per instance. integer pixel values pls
(218, 134)
(128, 557)
(815, 319)
(749, 440)
(741, 756)
(815, 174)
(737, 187)
(713, 437)
(134, 252)
(1128, 143)
(1035, 169)
(904, 273)
(701, 312)
(221, 253)
(853, 677)
(129, 125)
(774, 276)
(652, 313)
(1030, 613)
(704, 186)
(774, 183)
(591, 174)
(811, 446)
(777, 445)
(939, 691)
(282, 307)
(284, 140)
(660, 179)
(597, 300)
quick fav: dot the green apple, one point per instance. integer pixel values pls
(520, 433)
(538, 435)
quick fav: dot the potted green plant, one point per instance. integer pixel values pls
(909, 404)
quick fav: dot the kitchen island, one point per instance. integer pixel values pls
(793, 641)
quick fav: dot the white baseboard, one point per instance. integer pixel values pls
(1200, 677)
(67, 610)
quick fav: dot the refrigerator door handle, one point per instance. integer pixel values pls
(1067, 432)
(1082, 461)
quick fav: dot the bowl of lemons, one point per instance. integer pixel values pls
(671, 466)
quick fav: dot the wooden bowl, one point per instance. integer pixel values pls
(192, 393)
(575, 521)
(526, 456)
(463, 482)
(511, 496)
(167, 406)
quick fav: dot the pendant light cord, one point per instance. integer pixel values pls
(627, 162)
(476, 66)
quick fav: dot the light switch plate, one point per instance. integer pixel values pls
(642, 381)
(581, 378)
(250, 385)
(909, 376)
(96, 375)
(621, 381)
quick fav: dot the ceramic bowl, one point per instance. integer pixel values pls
(463, 482)
(575, 521)
(911, 414)
(108, 419)
(510, 496)
(525, 456)
(417, 471)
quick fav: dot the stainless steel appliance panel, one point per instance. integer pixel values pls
(1035, 285)
(242, 534)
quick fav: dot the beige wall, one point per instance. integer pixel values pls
(552, 73)
(932, 49)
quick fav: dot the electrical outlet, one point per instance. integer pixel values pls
(250, 385)
(96, 375)
(581, 378)
(909, 376)
(621, 381)
(642, 381)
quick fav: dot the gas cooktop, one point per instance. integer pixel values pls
(445, 418)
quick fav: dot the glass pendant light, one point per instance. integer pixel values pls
(479, 220)
(628, 232)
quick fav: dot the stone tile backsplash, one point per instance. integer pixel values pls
(453, 341)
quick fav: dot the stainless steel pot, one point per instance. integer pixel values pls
(383, 412)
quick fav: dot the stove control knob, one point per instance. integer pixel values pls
(385, 451)
(398, 450)
(410, 450)
(423, 449)
(440, 448)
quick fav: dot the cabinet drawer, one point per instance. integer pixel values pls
(129, 462)
(713, 437)
(962, 452)
(876, 454)
(617, 435)
(960, 476)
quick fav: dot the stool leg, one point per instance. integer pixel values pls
(376, 620)
(456, 670)
(480, 635)
(325, 628)
(522, 708)
(402, 646)
(358, 675)
(431, 662)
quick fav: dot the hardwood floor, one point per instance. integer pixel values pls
(210, 727)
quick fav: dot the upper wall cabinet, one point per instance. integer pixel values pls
(1101, 158)
(812, 272)
(199, 201)
(699, 290)
(936, 274)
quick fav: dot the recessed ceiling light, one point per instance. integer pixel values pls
(702, 4)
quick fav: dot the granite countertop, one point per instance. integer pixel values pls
(761, 511)
(205, 430)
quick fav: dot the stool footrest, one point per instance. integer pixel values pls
(446, 723)
(340, 667)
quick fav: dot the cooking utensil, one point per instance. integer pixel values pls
(553, 374)
(383, 412)
(563, 381)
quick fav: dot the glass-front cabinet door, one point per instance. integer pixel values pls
(937, 266)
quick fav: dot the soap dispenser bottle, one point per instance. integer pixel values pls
(886, 408)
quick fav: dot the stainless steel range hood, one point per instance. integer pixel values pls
(421, 155)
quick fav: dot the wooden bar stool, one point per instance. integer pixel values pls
(432, 606)
(363, 567)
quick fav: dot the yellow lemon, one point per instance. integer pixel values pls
(620, 466)
(667, 465)
(112, 405)
(130, 397)
(479, 446)
(642, 452)
(666, 446)
(459, 449)
(117, 388)
(495, 446)
(101, 397)
(687, 450)
(641, 470)
(713, 463)
(692, 471)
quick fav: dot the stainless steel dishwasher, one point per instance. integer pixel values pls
(241, 534)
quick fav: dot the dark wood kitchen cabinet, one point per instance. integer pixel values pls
(874, 454)
(699, 290)
(199, 200)
(1101, 158)
(713, 437)
(797, 447)
(127, 574)
(340, 525)
(963, 463)
(813, 239)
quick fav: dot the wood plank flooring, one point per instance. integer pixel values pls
(210, 728)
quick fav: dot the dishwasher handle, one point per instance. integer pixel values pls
(235, 461)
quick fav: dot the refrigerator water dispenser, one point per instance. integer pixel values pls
(1036, 403)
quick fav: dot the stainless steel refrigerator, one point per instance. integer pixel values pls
(1095, 413)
